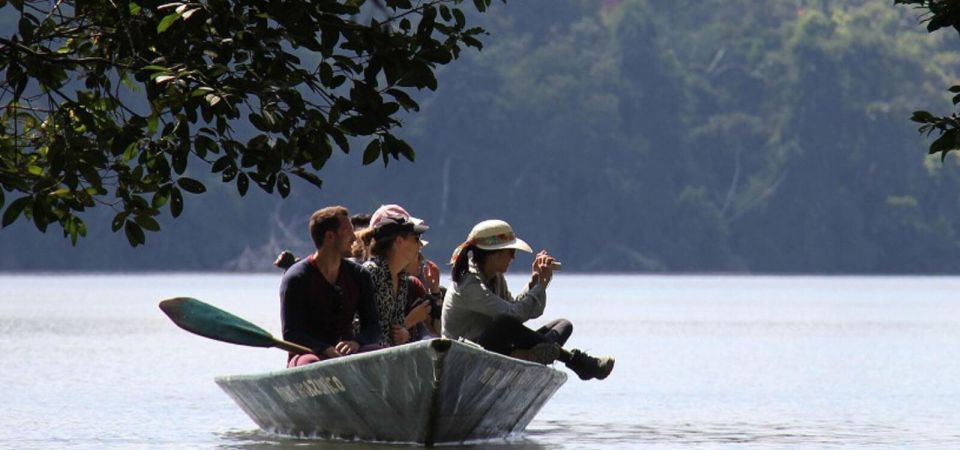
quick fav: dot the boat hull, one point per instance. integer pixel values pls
(429, 392)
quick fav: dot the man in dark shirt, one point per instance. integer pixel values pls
(320, 294)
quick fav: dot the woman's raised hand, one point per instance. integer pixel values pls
(542, 267)
(432, 274)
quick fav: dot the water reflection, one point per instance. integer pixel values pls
(848, 434)
(575, 434)
(259, 440)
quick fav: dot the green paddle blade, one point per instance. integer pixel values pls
(209, 321)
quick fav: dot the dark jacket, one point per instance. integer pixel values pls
(317, 314)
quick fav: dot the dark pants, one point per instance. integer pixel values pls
(506, 334)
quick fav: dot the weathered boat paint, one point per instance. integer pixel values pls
(430, 392)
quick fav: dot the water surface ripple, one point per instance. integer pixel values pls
(703, 362)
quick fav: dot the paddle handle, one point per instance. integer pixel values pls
(291, 347)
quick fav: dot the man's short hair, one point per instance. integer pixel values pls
(324, 220)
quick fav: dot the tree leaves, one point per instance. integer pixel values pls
(167, 22)
(176, 202)
(134, 233)
(922, 117)
(74, 228)
(941, 14)
(404, 99)
(947, 127)
(310, 177)
(192, 73)
(14, 210)
(283, 185)
(190, 185)
(372, 152)
(148, 223)
(243, 183)
(481, 4)
(945, 143)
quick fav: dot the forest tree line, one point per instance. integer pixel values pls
(632, 136)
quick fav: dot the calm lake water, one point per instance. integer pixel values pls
(89, 361)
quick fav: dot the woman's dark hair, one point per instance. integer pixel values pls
(380, 245)
(462, 264)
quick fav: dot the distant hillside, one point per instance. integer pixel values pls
(690, 135)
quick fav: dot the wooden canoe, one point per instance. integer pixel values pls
(429, 392)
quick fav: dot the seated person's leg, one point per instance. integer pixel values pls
(304, 359)
(557, 331)
(506, 334)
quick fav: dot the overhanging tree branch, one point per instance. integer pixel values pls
(939, 14)
(200, 68)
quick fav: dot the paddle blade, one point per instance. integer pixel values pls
(209, 321)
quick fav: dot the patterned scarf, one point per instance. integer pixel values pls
(392, 309)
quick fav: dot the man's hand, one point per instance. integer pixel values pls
(399, 334)
(344, 348)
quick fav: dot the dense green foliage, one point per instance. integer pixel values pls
(106, 102)
(642, 135)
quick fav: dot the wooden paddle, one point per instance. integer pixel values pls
(209, 321)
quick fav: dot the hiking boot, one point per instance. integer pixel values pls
(543, 353)
(587, 367)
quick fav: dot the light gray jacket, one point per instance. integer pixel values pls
(471, 304)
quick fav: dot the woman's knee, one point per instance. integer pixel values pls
(564, 324)
(558, 331)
